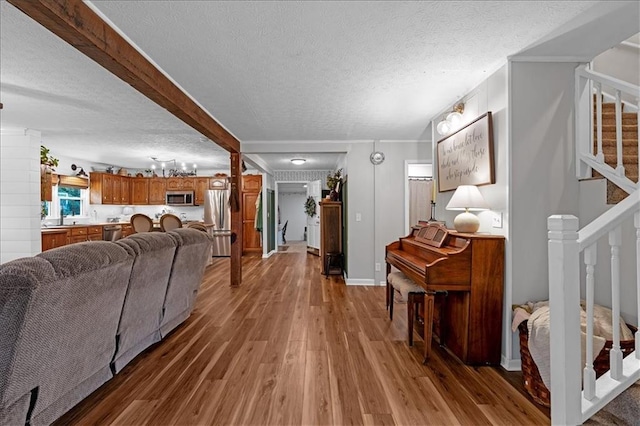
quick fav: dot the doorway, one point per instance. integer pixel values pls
(290, 215)
(419, 192)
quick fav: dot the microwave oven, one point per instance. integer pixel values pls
(179, 198)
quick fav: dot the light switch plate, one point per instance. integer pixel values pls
(497, 220)
(358, 217)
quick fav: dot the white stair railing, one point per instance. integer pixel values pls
(589, 83)
(571, 403)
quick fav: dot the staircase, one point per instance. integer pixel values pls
(615, 194)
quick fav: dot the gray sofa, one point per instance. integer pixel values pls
(70, 318)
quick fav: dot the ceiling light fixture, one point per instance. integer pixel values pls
(298, 161)
(175, 171)
(452, 121)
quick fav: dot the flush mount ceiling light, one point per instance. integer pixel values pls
(298, 161)
(376, 158)
(452, 120)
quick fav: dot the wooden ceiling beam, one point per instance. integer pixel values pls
(81, 27)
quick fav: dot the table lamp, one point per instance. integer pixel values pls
(467, 197)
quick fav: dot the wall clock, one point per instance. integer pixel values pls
(376, 158)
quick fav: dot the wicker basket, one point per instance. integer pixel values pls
(531, 376)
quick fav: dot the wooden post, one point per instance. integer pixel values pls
(564, 305)
(236, 219)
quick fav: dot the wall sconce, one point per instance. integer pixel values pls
(81, 173)
(452, 120)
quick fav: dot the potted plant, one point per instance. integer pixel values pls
(333, 183)
(46, 159)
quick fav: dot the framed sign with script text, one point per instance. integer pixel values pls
(466, 156)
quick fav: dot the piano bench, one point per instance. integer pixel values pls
(413, 294)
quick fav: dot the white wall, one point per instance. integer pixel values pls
(19, 195)
(292, 210)
(543, 181)
(389, 196)
(490, 95)
(361, 247)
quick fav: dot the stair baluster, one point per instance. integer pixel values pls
(619, 165)
(589, 374)
(600, 152)
(615, 360)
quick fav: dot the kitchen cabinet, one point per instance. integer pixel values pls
(139, 190)
(78, 235)
(127, 230)
(116, 194)
(330, 233)
(54, 238)
(157, 189)
(202, 185)
(125, 191)
(46, 183)
(251, 185)
(94, 233)
(181, 184)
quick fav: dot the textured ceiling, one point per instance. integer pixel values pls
(268, 71)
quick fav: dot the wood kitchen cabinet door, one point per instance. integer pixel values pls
(251, 237)
(202, 185)
(53, 240)
(116, 194)
(188, 184)
(125, 188)
(157, 191)
(139, 190)
(101, 188)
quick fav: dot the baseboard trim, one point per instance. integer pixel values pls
(360, 281)
(268, 255)
(510, 364)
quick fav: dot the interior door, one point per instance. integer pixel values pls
(314, 189)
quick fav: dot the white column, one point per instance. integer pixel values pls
(19, 194)
(564, 305)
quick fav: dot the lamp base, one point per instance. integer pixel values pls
(466, 222)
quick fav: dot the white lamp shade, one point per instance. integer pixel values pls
(467, 197)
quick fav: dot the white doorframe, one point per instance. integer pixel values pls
(407, 225)
(278, 204)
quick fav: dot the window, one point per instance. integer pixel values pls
(70, 201)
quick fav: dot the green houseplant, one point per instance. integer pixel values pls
(46, 159)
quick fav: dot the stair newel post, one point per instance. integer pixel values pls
(564, 306)
(589, 374)
(619, 164)
(636, 222)
(600, 153)
(615, 360)
(583, 121)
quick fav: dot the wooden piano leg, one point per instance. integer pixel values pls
(428, 324)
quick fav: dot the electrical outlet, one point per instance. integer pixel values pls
(358, 217)
(378, 267)
(497, 220)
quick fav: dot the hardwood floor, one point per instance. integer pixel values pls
(291, 347)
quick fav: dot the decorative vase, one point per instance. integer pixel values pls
(333, 195)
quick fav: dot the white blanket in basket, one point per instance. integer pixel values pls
(539, 336)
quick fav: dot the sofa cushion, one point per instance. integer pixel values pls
(142, 312)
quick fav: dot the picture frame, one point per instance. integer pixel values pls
(465, 157)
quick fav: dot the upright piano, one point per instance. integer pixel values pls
(470, 267)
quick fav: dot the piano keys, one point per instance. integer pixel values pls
(470, 267)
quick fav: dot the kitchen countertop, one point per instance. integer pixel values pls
(84, 225)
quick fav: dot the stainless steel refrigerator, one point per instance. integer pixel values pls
(217, 211)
